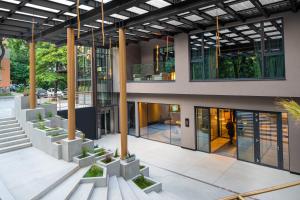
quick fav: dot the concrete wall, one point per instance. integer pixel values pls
(188, 102)
(278, 88)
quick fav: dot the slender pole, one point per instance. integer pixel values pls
(123, 100)
(32, 98)
(71, 83)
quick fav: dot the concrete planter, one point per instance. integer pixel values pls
(130, 169)
(156, 187)
(49, 108)
(57, 138)
(87, 143)
(130, 159)
(71, 148)
(145, 171)
(56, 150)
(113, 168)
(107, 154)
(98, 181)
(83, 162)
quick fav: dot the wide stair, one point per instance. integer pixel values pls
(118, 189)
(12, 136)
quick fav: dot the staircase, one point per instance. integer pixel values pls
(12, 136)
(118, 189)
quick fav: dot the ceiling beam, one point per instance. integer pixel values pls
(260, 8)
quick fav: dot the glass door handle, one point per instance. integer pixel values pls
(256, 140)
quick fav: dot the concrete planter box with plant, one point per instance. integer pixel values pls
(87, 143)
(84, 159)
(144, 170)
(111, 164)
(146, 184)
(50, 109)
(97, 175)
(130, 169)
(56, 150)
(101, 153)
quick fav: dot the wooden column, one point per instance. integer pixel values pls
(123, 98)
(71, 83)
(32, 97)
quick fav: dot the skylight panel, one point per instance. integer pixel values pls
(241, 28)
(210, 43)
(245, 42)
(271, 28)
(21, 20)
(224, 41)
(223, 31)
(163, 19)
(105, 22)
(230, 44)
(48, 25)
(266, 2)
(215, 12)
(90, 26)
(248, 32)
(185, 13)
(273, 33)
(12, 1)
(254, 36)
(118, 16)
(214, 37)
(231, 35)
(104, 1)
(193, 18)
(276, 37)
(130, 34)
(242, 6)
(5, 10)
(143, 30)
(41, 8)
(208, 34)
(194, 37)
(137, 10)
(64, 2)
(85, 7)
(206, 7)
(175, 23)
(158, 3)
(157, 27)
(267, 23)
(29, 14)
(58, 20)
(70, 14)
(199, 45)
(145, 24)
(238, 38)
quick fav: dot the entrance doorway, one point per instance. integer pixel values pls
(131, 118)
(104, 122)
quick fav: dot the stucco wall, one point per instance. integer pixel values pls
(5, 73)
(288, 87)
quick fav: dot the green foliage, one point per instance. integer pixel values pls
(84, 152)
(19, 58)
(116, 154)
(142, 167)
(42, 126)
(49, 114)
(94, 171)
(142, 183)
(291, 106)
(39, 117)
(100, 152)
(107, 160)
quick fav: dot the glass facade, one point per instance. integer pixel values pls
(160, 122)
(243, 55)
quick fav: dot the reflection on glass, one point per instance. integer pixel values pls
(131, 118)
(245, 134)
(268, 139)
(285, 141)
(202, 129)
(160, 122)
(214, 129)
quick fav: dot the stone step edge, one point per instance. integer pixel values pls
(26, 140)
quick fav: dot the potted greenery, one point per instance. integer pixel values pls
(130, 158)
(146, 184)
(101, 153)
(84, 159)
(89, 144)
(111, 164)
(97, 175)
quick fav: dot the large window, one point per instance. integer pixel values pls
(160, 122)
(243, 55)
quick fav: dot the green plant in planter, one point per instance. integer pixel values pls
(116, 154)
(142, 183)
(39, 117)
(84, 152)
(49, 114)
(82, 135)
(142, 167)
(107, 160)
(42, 126)
(94, 171)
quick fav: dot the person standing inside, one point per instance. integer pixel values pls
(230, 129)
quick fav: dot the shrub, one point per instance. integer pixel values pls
(39, 117)
(42, 126)
(94, 171)
(84, 152)
(116, 154)
(107, 160)
(142, 183)
(49, 114)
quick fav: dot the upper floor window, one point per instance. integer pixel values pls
(249, 51)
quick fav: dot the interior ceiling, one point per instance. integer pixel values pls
(143, 19)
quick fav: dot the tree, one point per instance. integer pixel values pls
(292, 107)
(19, 57)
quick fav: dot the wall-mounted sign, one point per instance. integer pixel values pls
(187, 122)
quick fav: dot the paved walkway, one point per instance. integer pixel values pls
(7, 105)
(215, 174)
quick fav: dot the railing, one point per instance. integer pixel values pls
(242, 196)
(150, 72)
(82, 100)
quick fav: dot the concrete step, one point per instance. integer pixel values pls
(114, 192)
(15, 147)
(12, 133)
(6, 126)
(7, 119)
(10, 130)
(8, 122)
(138, 192)
(14, 142)
(11, 138)
(127, 193)
(99, 193)
(168, 196)
(83, 192)
(4, 193)
(156, 196)
(67, 187)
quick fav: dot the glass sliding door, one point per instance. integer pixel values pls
(131, 118)
(245, 135)
(203, 129)
(285, 141)
(268, 139)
